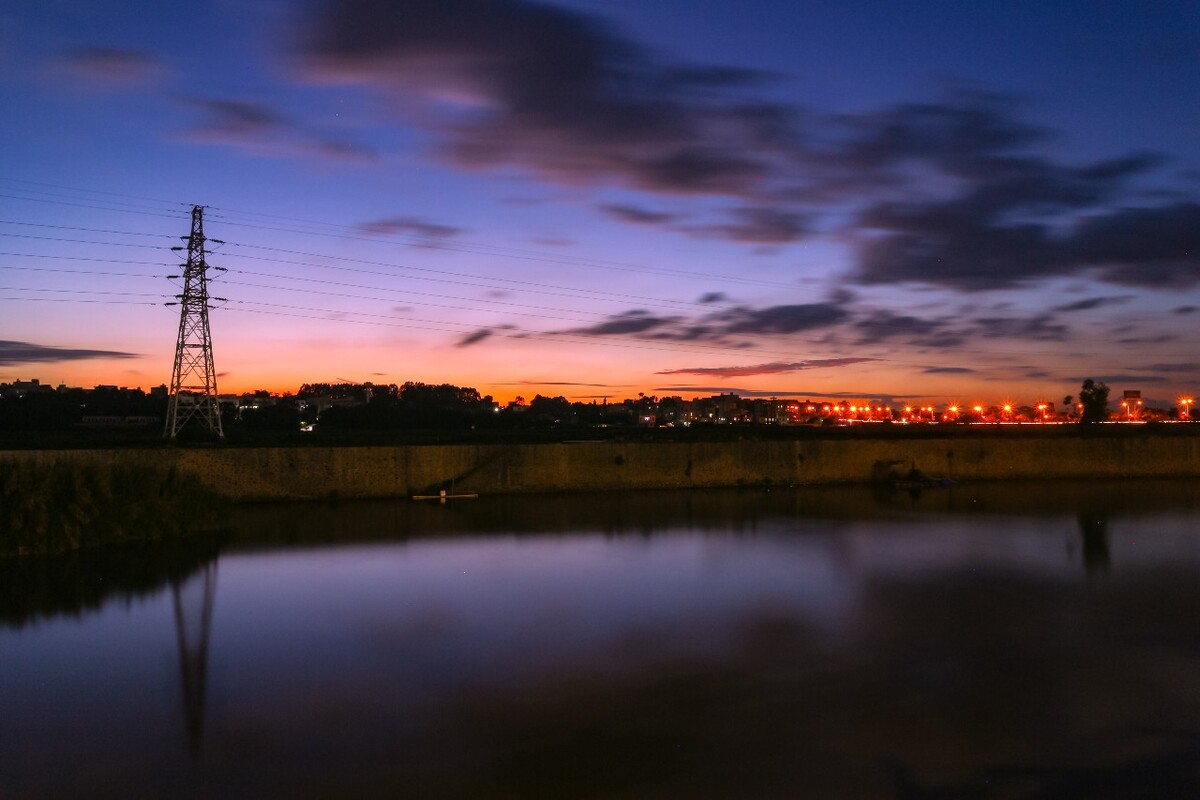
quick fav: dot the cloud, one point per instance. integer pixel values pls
(713, 297)
(1090, 303)
(959, 193)
(1161, 338)
(744, 392)
(391, 226)
(883, 325)
(1183, 366)
(225, 117)
(641, 216)
(1128, 379)
(12, 353)
(115, 67)
(782, 319)
(1184, 310)
(947, 370)
(1017, 218)
(628, 322)
(756, 226)
(259, 128)
(555, 91)
(475, 337)
(1036, 328)
(567, 383)
(1151, 248)
(724, 326)
(773, 368)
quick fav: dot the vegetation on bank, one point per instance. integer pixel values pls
(67, 506)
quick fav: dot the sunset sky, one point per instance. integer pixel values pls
(956, 201)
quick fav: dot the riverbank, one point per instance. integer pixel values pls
(299, 473)
(54, 506)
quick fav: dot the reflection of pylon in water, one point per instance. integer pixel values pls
(192, 637)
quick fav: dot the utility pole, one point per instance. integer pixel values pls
(194, 379)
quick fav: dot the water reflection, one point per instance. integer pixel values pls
(192, 604)
(833, 643)
(1093, 529)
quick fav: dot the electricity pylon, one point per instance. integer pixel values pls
(194, 379)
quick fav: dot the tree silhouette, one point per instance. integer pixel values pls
(1094, 399)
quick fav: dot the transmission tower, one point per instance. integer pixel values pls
(194, 379)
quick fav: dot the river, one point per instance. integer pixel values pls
(1010, 641)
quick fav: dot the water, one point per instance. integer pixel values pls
(1021, 641)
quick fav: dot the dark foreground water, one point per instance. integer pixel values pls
(1021, 641)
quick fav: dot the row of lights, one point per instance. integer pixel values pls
(1043, 409)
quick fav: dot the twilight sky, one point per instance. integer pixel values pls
(963, 202)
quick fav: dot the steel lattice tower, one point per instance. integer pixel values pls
(194, 379)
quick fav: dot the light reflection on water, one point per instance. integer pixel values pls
(1007, 641)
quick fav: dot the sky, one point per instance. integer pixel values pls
(894, 201)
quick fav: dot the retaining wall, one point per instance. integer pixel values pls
(354, 472)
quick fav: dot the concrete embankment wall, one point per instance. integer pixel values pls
(352, 472)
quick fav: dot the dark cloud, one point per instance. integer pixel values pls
(720, 326)
(947, 371)
(882, 325)
(960, 194)
(782, 319)
(555, 91)
(12, 353)
(713, 297)
(1183, 366)
(1089, 303)
(773, 368)
(1111, 380)
(475, 337)
(1146, 247)
(641, 216)
(392, 226)
(260, 128)
(1021, 329)
(235, 118)
(1009, 216)
(115, 66)
(756, 226)
(628, 322)
(807, 393)
(1018, 221)
(567, 383)
(1161, 338)
(1183, 310)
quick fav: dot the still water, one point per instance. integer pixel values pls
(1020, 641)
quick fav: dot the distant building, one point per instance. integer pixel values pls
(1131, 403)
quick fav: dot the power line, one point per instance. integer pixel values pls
(76, 300)
(533, 286)
(93, 191)
(83, 241)
(482, 248)
(89, 230)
